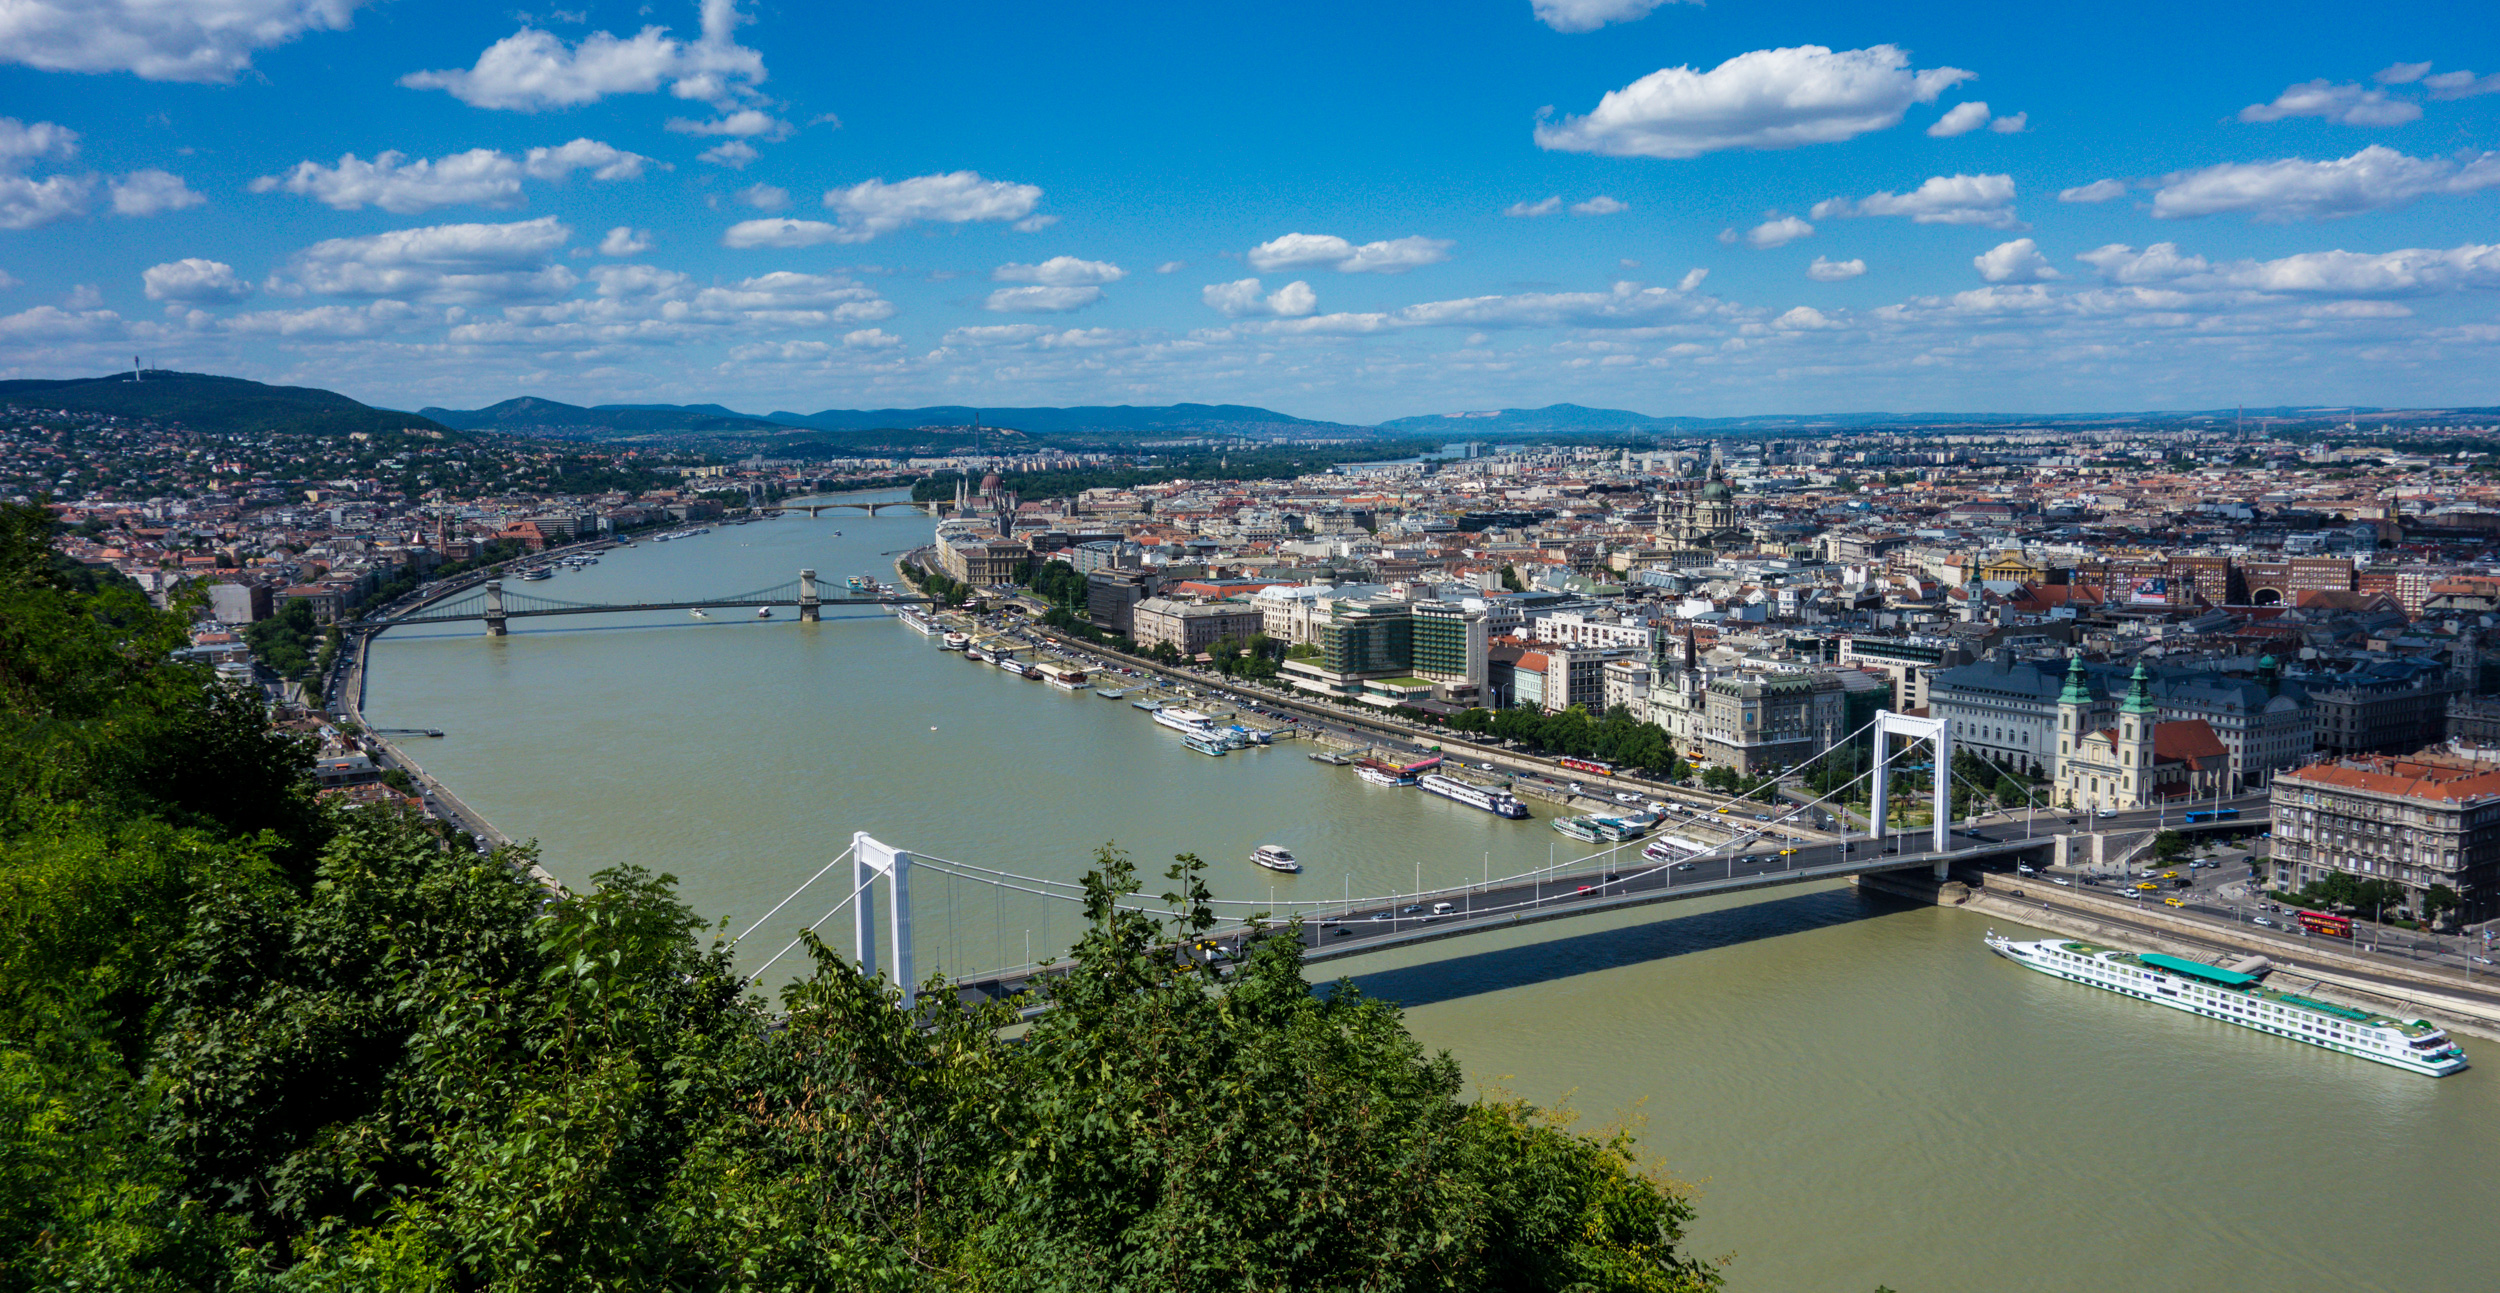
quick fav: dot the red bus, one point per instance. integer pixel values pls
(2319, 922)
(1597, 766)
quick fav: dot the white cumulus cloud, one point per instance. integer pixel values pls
(2347, 103)
(478, 177)
(1327, 251)
(2013, 125)
(1986, 200)
(1769, 98)
(1777, 231)
(2018, 261)
(734, 154)
(2375, 179)
(1242, 298)
(782, 233)
(152, 192)
(2409, 272)
(746, 123)
(874, 207)
(1531, 210)
(21, 143)
(764, 197)
(2400, 73)
(1834, 271)
(1805, 318)
(625, 240)
(1599, 205)
(1589, 15)
(2461, 85)
(1041, 299)
(2096, 191)
(25, 203)
(1061, 271)
(159, 40)
(457, 264)
(1960, 119)
(194, 281)
(531, 69)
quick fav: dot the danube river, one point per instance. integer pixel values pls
(1859, 1092)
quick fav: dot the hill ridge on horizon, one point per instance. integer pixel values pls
(218, 403)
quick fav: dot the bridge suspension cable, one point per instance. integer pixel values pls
(1002, 881)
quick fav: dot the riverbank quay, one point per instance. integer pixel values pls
(347, 696)
(1418, 736)
(2454, 1003)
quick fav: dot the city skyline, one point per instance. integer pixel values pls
(1722, 210)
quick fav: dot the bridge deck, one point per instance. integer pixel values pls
(1338, 933)
(734, 603)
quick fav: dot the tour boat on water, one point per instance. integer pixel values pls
(915, 621)
(698, 613)
(1381, 773)
(2236, 997)
(1500, 803)
(954, 642)
(763, 612)
(1579, 828)
(1204, 743)
(1188, 721)
(536, 573)
(1275, 857)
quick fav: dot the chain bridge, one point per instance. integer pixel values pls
(492, 603)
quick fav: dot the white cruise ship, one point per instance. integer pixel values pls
(915, 621)
(1187, 721)
(2236, 998)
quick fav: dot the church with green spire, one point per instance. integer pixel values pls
(2137, 760)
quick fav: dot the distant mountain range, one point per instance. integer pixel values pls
(1175, 418)
(226, 404)
(204, 402)
(530, 413)
(1553, 417)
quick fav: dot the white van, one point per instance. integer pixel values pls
(1441, 909)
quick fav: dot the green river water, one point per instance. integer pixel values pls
(1860, 1093)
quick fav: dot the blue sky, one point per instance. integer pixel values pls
(1338, 210)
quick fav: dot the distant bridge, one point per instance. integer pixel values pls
(491, 603)
(868, 509)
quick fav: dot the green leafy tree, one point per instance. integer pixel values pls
(247, 1044)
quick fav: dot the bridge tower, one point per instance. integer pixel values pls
(811, 608)
(494, 608)
(1939, 735)
(870, 859)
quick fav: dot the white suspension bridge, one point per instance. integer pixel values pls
(1625, 875)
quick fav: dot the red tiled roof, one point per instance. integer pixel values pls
(2409, 778)
(2191, 741)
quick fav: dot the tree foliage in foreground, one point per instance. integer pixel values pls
(246, 1044)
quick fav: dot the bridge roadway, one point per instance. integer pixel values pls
(376, 626)
(1628, 880)
(1624, 879)
(818, 509)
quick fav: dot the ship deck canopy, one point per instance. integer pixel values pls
(2198, 970)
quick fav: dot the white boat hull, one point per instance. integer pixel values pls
(2270, 1013)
